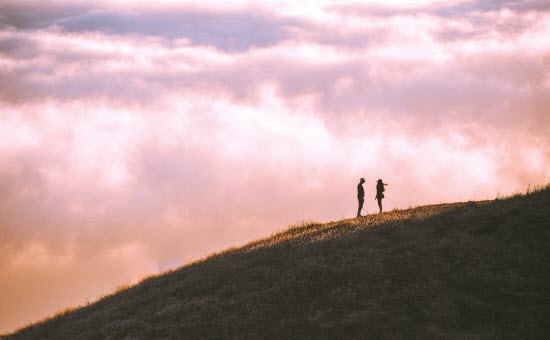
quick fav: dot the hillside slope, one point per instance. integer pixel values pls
(464, 270)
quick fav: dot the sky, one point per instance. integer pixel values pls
(137, 136)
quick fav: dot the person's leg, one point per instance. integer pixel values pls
(379, 203)
(360, 206)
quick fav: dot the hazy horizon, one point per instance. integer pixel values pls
(137, 136)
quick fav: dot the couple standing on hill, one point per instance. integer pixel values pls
(361, 194)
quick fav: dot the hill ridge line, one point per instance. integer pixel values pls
(440, 270)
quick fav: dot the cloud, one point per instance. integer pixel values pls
(138, 137)
(228, 30)
(477, 6)
(30, 14)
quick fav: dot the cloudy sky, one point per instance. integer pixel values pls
(137, 136)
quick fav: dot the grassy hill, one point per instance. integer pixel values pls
(460, 271)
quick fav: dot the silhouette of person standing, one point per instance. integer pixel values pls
(380, 192)
(360, 196)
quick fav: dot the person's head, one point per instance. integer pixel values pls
(379, 181)
(362, 180)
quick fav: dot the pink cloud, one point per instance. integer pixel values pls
(130, 151)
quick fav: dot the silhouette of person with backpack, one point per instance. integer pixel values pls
(360, 196)
(380, 192)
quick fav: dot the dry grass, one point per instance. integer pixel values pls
(459, 271)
